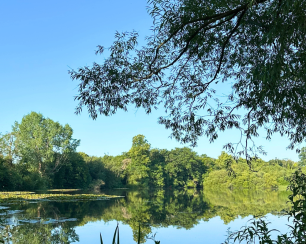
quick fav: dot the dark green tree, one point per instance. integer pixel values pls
(10, 178)
(256, 48)
(138, 167)
(73, 174)
(184, 168)
(8, 147)
(157, 172)
(95, 166)
(116, 170)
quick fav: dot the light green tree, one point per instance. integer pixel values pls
(224, 161)
(42, 143)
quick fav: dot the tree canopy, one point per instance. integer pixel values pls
(29, 161)
(43, 142)
(255, 47)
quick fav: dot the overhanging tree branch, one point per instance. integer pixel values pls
(205, 44)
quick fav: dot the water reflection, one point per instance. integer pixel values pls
(55, 222)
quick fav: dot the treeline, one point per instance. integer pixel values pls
(40, 153)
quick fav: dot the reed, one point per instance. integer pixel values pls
(116, 234)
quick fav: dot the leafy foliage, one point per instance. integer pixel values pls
(74, 174)
(43, 143)
(9, 176)
(184, 168)
(34, 152)
(141, 166)
(255, 47)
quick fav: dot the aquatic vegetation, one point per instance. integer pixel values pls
(25, 196)
(48, 221)
(116, 234)
(64, 190)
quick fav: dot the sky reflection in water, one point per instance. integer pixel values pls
(175, 216)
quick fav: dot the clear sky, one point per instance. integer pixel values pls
(41, 40)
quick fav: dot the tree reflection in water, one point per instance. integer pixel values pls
(55, 222)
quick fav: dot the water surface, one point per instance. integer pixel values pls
(172, 216)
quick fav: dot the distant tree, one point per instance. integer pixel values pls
(157, 172)
(256, 47)
(73, 174)
(10, 178)
(268, 175)
(8, 147)
(116, 169)
(95, 166)
(302, 157)
(208, 162)
(224, 160)
(42, 143)
(287, 163)
(138, 168)
(184, 168)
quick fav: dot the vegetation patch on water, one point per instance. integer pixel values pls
(25, 196)
(48, 221)
(64, 190)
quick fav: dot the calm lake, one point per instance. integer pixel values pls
(177, 216)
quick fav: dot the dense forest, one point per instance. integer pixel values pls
(39, 153)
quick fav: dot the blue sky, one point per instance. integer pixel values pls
(41, 40)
